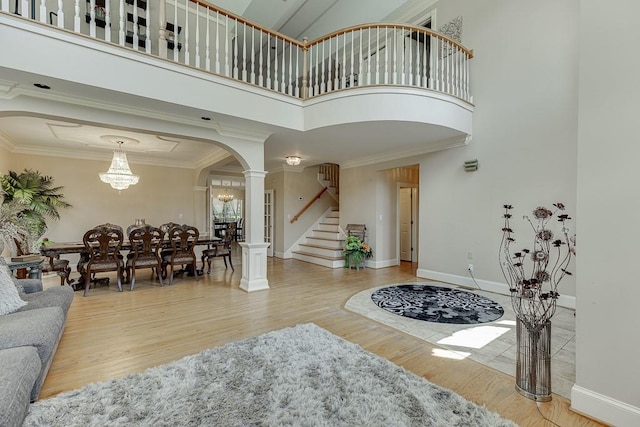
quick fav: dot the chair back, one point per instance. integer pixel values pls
(103, 243)
(182, 240)
(146, 241)
(168, 226)
(230, 232)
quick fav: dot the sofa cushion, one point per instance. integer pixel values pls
(10, 300)
(40, 328)
(19, 369)
(59, 296)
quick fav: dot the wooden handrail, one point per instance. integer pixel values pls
(308, 205)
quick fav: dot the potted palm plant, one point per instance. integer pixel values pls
(29, 200)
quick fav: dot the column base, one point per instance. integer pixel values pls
(254, 267)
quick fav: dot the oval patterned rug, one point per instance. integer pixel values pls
(437, 304)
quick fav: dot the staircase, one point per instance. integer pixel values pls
(323, 245)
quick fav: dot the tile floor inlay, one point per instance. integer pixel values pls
(492, 344)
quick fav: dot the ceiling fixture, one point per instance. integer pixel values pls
(293, 160)
(119, 175)
(225, 197)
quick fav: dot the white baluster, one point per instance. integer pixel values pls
(351, 71)
(217, 69)
(176, 28)
(60, 13)
(409, 67)
(76, 16)
(296, 85)
(275, 64)
(369, 50)
(329, 67)
(197, 54)
(187, 56)
(235, 51)
(395, 56)
(268, 84)
(260, 75)
(43, 11)
(122, 29)
(290, 87)
(425, 60)
(135, 25)
(253, 56)
(335, 67)
(343, 74)
(92, 18)
(24, 9)
(378, 56)
(244, 52)
(323, 84)
(207, 61)
(360, 60)
(318, 78)
(283, 81)
(107, 21)
(435, 53)
(226, 46)
(4, 5)
(147, 39)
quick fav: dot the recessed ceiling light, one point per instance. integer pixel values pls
(205, 118)
(42, 86)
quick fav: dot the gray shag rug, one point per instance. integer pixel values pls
(299, 376)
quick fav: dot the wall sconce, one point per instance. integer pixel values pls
(293, 160)
(471, 165)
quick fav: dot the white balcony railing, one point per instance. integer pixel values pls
(200, 35)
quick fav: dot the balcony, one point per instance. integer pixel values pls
(187, 60)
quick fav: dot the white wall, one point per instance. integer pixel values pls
(162, 195)
(608, 349)
(524, 82)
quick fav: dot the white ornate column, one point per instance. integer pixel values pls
(254, 248)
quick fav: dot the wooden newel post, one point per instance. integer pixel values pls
(162, 33)
(305, 80)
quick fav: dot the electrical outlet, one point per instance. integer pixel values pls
(470, 268)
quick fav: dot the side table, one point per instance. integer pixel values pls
(34, 267)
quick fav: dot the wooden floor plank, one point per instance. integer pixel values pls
(111, 334)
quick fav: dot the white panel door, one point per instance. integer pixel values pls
(268, 220)
(405, 224)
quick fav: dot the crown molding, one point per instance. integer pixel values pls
(429, 148)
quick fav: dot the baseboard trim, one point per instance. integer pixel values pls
(566, 301)
(382, 263)
(603, 408)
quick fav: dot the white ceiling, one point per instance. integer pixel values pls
(338, 144)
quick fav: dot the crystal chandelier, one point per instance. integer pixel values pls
(293, 160)
(225, 197)
(119, 175)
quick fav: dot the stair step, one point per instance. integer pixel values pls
(321, 251)
(331, 262)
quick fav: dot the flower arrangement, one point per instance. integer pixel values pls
(533, 275)
(355, 252)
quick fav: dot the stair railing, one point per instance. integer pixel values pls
(197, 34)
(308, 205)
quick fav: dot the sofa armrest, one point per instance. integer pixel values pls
(31, 286)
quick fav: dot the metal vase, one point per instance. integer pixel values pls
(533, 360)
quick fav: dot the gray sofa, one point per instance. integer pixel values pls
(29, 338)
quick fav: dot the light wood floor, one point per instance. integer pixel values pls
(110, 334)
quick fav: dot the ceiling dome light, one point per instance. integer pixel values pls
(293, 160)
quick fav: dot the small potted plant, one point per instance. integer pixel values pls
(355, 252)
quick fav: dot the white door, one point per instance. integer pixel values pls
(406, 222)
(268, 220)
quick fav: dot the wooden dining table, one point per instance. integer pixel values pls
(54, 250)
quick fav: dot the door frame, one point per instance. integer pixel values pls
(269, 214)
(414, 218)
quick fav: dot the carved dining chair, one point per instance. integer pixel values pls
(181, 240)
(146, 242)
(221, 249)
(102, 253)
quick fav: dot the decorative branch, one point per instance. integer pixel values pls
(534, 291)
